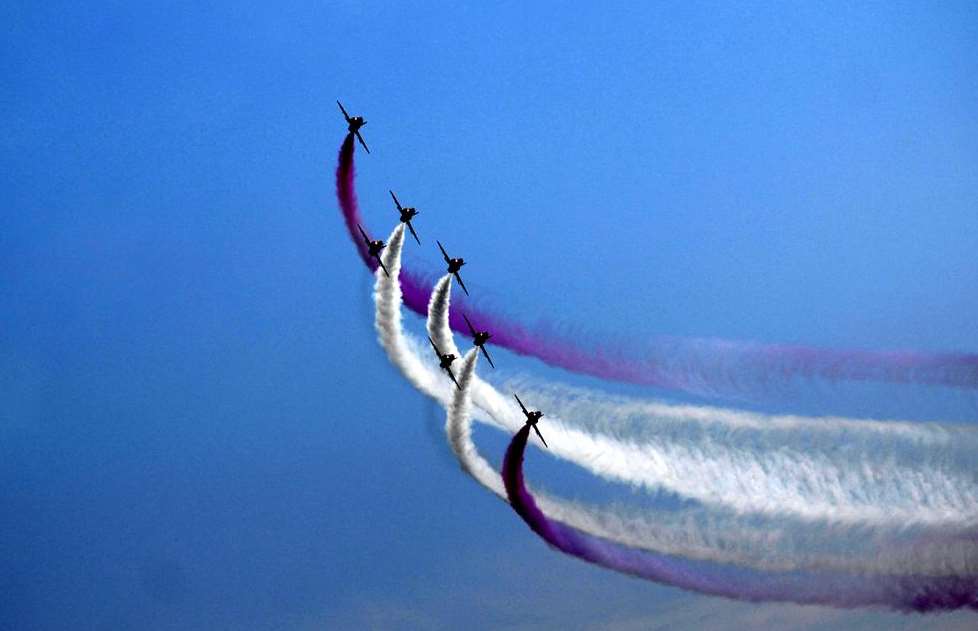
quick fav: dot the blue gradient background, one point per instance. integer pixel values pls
(197, 428)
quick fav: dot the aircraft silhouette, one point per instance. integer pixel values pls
(531, 419)
(445, 362)
(407, 214)
(354, 124)
(454, 265)
(479, 338)
(375, 247)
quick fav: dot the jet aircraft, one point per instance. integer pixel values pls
(454, 265)
(407, 214)
(374, 247)
(445, 362)
(531, 419)
(479, 338)
(354, 124)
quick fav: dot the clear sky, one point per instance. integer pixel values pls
(198, 429)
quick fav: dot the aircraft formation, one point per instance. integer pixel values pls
(375, 246)
(744, 569)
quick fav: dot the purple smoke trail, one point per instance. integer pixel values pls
(908, 593)
(515, 337)
(701, 366)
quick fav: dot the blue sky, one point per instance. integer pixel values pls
(198, 429)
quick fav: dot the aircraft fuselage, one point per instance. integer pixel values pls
(375, 247)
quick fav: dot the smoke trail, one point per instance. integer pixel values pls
(716, 534)
(670, 533)
(781, 541)
(905, 593)
(667, 533)
(399, 348)
(701, 366)
(774, 466)
(839, 470)
(345, 175)
(459, 431)
(661, 532)
(404, 354)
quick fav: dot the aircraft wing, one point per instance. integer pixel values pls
(452, 375)
(523, 407)
(486, 353)
(471, 328)
(396, 203)
(365, 237)
(413, 233)
(383, 267)
(437, 352)
(541, 437)
(443, 252)
(360, 138)
(458, 277)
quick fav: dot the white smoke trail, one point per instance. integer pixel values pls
(819, 469)
(748, 463)
(401, 350)
(773, 543)
(715, 535)
(666, 535)
(459, 430)
(695, 534)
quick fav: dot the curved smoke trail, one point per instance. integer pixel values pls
(660, 533)
(944, 590)
(403, 353)
(669, 534)
(694, 365)
(781, 542)
(459, 430)
(749, 463)
(911, 593)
